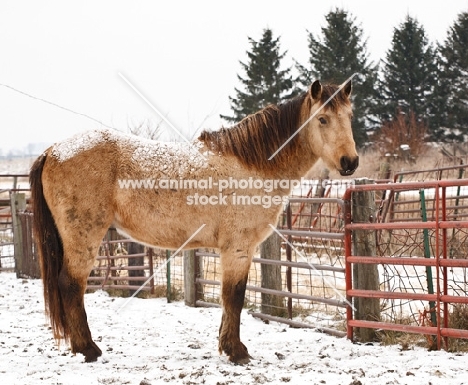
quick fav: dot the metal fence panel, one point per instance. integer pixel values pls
(421, 258)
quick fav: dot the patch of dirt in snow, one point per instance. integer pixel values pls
(150, 342)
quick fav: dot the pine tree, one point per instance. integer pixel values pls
(409, 74)
(339, 53)
(265, 83)
(453, 83)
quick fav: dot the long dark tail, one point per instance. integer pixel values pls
(50, 250)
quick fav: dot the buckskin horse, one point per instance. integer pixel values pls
(78, 193)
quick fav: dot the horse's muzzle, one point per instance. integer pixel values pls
(348, 165)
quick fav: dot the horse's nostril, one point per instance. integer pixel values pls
(344, 162)
(348, 164)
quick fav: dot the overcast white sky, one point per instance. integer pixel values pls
(182, 55)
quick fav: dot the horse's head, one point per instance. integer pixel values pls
(330, 129)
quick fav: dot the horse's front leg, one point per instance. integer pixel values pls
(235, 270)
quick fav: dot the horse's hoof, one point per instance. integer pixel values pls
(91, 353)
(240, 361)
(241, 357)
(91, 358)
(237, 352)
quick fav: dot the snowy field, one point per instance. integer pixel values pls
(152, 342)
(16, 165)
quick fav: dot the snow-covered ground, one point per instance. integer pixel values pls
(149, 341)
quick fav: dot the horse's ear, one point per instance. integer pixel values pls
(316, 90)
(348, 88)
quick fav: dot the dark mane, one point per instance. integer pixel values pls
(255, 138)
(338, 100)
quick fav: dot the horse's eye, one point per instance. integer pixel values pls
(322, 120)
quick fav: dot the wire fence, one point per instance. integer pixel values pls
(311, 276)
(7, 260)
(124, 267)
(421, 206)
(8, 184)
(421, 244)
(437, 173)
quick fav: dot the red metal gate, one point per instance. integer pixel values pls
(448, 221)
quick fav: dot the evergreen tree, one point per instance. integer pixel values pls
(339, 53)
(265, 83)
(409, 74)
(453, 83)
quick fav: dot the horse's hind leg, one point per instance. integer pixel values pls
(72, 286)
(79, 255)
(234, 280)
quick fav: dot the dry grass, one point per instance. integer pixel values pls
(371, 161)
(458, 320)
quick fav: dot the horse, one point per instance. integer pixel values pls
(223, 190)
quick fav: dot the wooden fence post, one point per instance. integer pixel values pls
(135, 248)
(365, 276)
(17, 203)
(271, 276)
(319, 193)
(192, 268)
